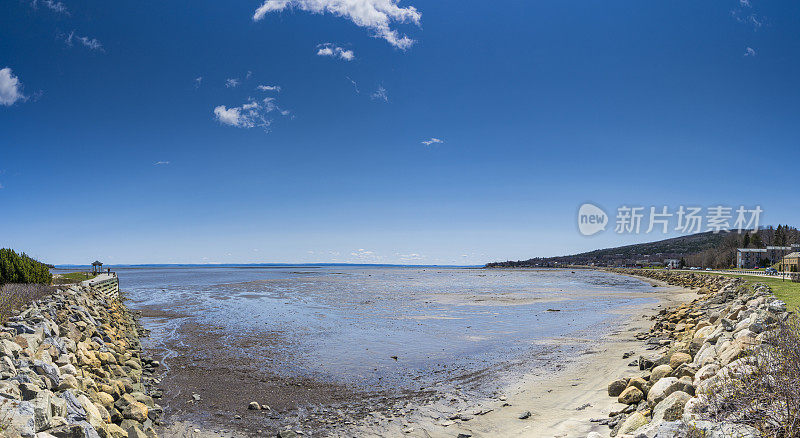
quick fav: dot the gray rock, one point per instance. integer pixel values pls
(662, 389)
(671, 408)
(48, 370)
(616, 387)
(727, 324)
(18, 417)
(777, 306)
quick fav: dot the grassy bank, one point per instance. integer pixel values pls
(784, 290)
(72, 277)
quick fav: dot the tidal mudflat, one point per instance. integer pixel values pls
(333, 348)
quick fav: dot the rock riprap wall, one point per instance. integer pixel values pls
(694, 345)
(71, 366)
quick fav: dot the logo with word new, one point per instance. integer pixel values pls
(591, 219)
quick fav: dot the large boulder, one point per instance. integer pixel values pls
(660, 371)
(661, 389)
(616, 387)
(704, 373)
(671, 408)
(633, 422)
(678, 359)
(631, 395)
(18, 418)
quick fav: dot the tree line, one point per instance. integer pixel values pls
(19, 268)
(724, 256)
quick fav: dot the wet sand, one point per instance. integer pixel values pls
(562, 400)
(566, 391)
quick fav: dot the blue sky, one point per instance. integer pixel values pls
(112, 148)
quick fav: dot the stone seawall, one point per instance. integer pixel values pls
(695, 346)
(71, 366)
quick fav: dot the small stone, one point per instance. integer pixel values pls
(525, 415)
(254, 406)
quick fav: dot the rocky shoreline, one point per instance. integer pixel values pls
(71, 366)
(696, 345)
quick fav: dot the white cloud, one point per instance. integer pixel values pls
(380, 94)
(432, 140)
(198, 81)
(332, 50)
(249, 73)
(161, 163)
(10, 88)
(744, 3)
(231, 83)
(376, 15)
(53, 5)
(90, 43)
(749, 52)
(248, 115)
(275, 88)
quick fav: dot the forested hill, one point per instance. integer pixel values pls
(677, 248)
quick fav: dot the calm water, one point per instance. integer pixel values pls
(349, 323)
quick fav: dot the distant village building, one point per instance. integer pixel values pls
(791, 262)
(749, 258)
(672, 263)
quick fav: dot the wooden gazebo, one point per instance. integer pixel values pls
(97, 267)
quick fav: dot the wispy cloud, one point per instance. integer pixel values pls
(10, 88)
(362, 255)
(54, 6)
(249, 115)
(355, 85)
(744, 3)
(231, 83)
(90, 43)
(408, 258)
(198, 81)
(380, 94)
(329, 49)
(248, 75)
(743, 14)
(749, 52)
(432, 140)
(375, 15)
(275, 88)
(160, 163)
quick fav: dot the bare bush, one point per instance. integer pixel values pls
(761, 389)
(13, 296)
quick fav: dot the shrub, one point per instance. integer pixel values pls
(19, 268)
(762, 390)
(14, 296)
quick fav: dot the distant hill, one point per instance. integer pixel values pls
(674, 248)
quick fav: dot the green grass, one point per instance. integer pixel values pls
(72, 277)
(784, 290)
